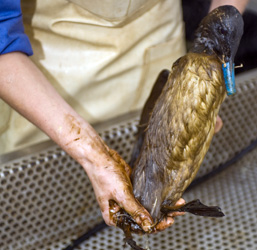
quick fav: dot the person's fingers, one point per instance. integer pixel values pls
(108, 210)
(218, 125)
(175, 214)
(179, 203)
(122, 196)
(113, 184)
(137, 212)
(114, 208)
(165, 223)
(131, 206)
(169, 220)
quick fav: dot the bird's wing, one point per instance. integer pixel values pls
(179, 130)
(188, 109)
(148, 107)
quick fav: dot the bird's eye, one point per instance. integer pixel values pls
(222, 31)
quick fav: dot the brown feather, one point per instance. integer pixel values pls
(179, 132)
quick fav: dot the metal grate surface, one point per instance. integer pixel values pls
(46, 199)
(234, 190)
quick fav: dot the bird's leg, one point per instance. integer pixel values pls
(125, 222)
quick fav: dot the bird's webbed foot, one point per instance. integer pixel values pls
(194, 207)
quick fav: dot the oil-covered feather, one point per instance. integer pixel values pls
(179, 131)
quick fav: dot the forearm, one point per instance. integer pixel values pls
(26, 89)
(239, 4)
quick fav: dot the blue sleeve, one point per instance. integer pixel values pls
(12, 36)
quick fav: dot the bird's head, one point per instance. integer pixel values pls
(220, 33)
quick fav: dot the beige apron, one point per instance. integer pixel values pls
(102, 56)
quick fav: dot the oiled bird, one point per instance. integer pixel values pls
(181, 124)
(177, 132)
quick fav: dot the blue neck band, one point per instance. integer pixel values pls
(229, 77)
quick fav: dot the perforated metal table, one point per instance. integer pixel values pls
(46, 199)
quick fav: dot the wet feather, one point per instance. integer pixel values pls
(176, 134)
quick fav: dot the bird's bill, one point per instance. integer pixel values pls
(229, 77)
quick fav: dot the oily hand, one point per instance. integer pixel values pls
(112, 186)
(121, 193)
(107, 171)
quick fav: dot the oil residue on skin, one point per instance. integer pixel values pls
(75, 128)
